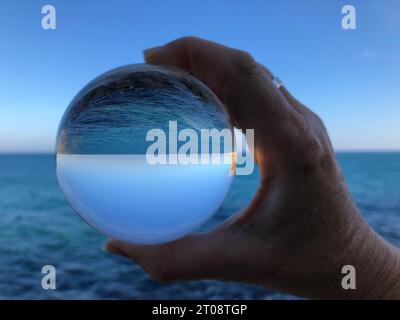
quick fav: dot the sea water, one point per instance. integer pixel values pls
(125, 197)
(39, 227)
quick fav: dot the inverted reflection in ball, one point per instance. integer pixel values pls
(107, 173)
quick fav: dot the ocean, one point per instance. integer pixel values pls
(38, 227)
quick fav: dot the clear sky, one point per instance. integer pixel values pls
(351, 78)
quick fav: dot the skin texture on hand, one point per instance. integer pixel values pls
(302, 225)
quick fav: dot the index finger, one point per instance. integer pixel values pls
(240, 83)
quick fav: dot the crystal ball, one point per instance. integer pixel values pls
(143, 153)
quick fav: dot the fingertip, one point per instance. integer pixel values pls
(115, 247)
(149, 53)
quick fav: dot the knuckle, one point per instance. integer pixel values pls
(317, 121)
(321, 134)
(244, 62)
(309, 151)
(317, 157)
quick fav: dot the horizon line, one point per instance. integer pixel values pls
(42, 152)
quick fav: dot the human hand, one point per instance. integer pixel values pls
(302, 225)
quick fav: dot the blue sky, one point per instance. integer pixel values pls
(351, 78)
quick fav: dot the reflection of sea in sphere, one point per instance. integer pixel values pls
(101, 154)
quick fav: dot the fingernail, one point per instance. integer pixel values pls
(147, 53)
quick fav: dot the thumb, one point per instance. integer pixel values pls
(192, 257)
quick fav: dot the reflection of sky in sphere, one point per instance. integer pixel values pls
(113, 114)
(126, 198)
(101, 163)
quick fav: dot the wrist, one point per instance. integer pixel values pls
(376, 266)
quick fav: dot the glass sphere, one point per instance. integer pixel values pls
(132, 150)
